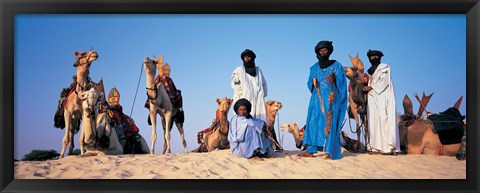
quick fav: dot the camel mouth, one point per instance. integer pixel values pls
(93, 56)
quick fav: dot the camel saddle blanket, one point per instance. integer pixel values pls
(59, 121)
(449, 126)
(202, 135)
(174, 94)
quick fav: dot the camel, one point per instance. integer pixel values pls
(296, 132)
(350, 144)
(160, 103)
(116, 145)
(99, 137)
(357, 99)
(272, 108)
(217, 136)
(418, 135)
(102, 137)
(73, 107)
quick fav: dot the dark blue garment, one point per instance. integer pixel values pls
(316, 120)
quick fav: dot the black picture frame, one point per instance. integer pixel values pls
(9, 8)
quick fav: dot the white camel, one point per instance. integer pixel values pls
(73, 106)
(160, 103)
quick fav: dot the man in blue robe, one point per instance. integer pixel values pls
(328, 85)
(247, 135)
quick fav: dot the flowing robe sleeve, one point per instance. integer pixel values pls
(237, 130)
(236, 82)
(339, 108)
(381, 80)
(264, 83)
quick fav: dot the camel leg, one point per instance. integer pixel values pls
(153, 119)
(164, 139)
(72, 143)
(357, 125)
(182, 136)
(168, 119)
(66, 136)
(82, 143)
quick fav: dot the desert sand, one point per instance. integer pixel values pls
(223, 165)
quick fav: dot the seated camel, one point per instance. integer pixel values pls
(357, 99)
(419, 135)
(216, 136)
(96, 141)
(272, 108)
(102, 137)
(350, 144)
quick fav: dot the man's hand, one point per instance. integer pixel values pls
(331, 78)
(367, 88)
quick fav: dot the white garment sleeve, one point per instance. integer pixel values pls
(236, 83)
(382, 81)
(264, 84)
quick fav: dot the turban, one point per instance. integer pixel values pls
(248, 52)
(374, 53)
(243, 102)
(324, 44)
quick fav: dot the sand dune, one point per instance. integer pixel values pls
(223, 165)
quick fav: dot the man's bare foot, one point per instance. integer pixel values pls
(305, 154)
(256, 158)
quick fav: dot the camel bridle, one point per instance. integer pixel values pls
(154, 88)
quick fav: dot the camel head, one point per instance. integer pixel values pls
(149, 65)
(356, 62)
(289, 127)
(273, 106)
(90, 100)
(224, 104)
(350, 72)
(85, 58)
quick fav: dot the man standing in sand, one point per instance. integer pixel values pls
(382, 122)
(248, 82)
(327, 84)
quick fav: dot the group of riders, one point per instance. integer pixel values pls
(127, 131)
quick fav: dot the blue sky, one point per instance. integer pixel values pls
(425, 52)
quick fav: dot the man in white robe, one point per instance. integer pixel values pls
(247, 82)
(381, 111)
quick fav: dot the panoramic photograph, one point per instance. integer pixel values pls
(240, 96)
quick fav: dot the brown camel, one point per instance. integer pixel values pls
(272, 107)
(418, 135)
(159, 103)
(350, 144)
(217, 135)
(357, 98)
(73, 104)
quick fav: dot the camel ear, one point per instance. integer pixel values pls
(269, 102)
(357, 55)
(218, 100)
(75, 53)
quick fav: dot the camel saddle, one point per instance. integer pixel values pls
(449, 126)
(203, 134)
(59, 121)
